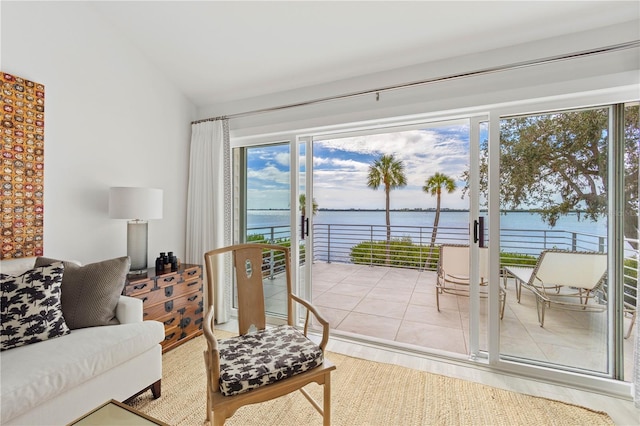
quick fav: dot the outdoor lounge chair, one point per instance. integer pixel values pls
(453, 273)
(262, 363)
(562, 279)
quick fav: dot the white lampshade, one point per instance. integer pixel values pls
(135, 203)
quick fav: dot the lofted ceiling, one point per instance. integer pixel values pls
(223, 51)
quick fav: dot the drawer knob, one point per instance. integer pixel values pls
(168, 306)
(170, 321)
(168, 291)
(139, 286)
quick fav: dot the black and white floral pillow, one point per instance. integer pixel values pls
(30, 307)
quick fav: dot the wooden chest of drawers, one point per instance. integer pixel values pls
(173, 298)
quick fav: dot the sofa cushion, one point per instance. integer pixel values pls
(36, 373)
(30, 307)
(257, 359)
(90, 293)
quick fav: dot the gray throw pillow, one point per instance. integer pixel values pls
(90, 293)
(31, 309)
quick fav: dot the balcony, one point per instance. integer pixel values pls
(398, 304)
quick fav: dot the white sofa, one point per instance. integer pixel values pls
(58, 380)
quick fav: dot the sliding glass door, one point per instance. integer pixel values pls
(568, 237)
(523, 186)
(264, 213)
(387, 200)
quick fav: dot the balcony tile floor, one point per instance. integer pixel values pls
(400, 305)
(342, 292)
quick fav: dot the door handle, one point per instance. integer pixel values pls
(476, 231)
(304, 231)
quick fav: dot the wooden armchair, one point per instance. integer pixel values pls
(261, 363)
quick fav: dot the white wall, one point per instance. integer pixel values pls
(111, 119)
(599, 72)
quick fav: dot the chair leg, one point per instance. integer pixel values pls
(326, 401)
(438, 299)
(540, 305)
(219, 418)
(633, 322)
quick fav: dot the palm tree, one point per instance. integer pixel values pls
(434, 186)
(303, 205)
(387, 171)
(303, 211)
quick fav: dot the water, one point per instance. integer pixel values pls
(520, 231)
(454, 219)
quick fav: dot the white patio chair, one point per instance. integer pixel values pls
(563, 279)
(453, 273)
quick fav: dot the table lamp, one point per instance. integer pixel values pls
(137, 205)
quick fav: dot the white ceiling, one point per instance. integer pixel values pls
(222, 51)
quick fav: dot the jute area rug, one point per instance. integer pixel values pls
(363, 393)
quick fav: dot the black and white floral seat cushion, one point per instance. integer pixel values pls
(263, 357)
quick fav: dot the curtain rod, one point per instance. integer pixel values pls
(483, 71)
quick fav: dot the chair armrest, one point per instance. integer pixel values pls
(211, 353)
(319, 318)
(129, 310)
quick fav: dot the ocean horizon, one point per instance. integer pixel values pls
(522, 231)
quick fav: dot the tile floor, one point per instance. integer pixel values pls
(399, 305)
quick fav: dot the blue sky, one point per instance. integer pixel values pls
(341, 168)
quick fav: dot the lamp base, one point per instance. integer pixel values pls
(137, 245)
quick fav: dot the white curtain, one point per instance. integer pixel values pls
(209, 203)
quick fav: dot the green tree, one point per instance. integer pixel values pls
(557, 163)
(434, 186)
(388, 172)
(303, 205)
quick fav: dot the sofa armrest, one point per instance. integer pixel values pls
(129, 310)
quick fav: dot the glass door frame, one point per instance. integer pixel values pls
(474, 244)
(610, 383)
(495, 112)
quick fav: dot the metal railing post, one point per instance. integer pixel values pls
(329, 243)
(271, 264)
(370, 245)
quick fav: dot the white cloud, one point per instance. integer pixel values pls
(341, 169)
(282, 158)
(270, 173)
(423, 152)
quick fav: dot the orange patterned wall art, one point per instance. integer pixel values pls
(22, 174)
